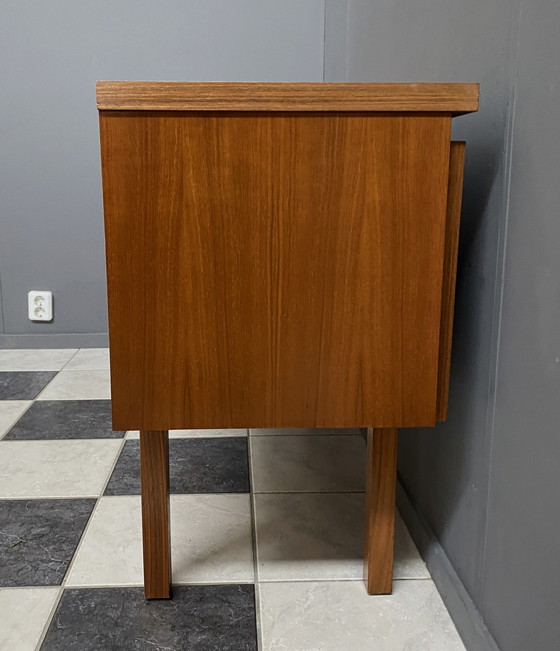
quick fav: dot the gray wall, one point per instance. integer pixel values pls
(521, 586)
(51, 54)
(484, 487)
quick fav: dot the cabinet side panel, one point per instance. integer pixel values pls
(454, 199)
(269, 270)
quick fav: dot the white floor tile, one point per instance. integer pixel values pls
(89, 359)
(308, 463)
(33, 469)
(333, 616)
(78, 385)
(319, 536)
(210, 541)
(10, 411)
(300, 431)
(35, 360)
(195, 433)
(25, 612)
(211, 538)
(408, 563)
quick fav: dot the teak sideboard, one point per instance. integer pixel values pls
(280, 255)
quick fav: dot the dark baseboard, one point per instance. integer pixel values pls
(86, 340)
(466, 617)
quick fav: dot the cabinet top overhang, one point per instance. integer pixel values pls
(456, 99)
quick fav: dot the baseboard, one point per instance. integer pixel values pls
(466, 617)
(86, 340)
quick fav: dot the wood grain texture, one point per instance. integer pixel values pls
(154, 471)
(454, 199)
(233, 96)
(274, 269)
(381, 486)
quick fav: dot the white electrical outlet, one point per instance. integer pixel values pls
(40, 306)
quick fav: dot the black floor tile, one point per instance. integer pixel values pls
(38, 539)
(197, 465)
(201, 618)
(65, 419)
(23, 385)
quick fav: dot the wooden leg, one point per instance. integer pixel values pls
(381, 486)
(154, 472)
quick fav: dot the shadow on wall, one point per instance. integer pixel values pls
(445, 469)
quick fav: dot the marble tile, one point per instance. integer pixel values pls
(195, 466)
(314, 536)
(79, 385)
(10, 411)
(340, 615)
(309, 536)
(307, 463)
(65, 419)
(23, 385)
(25, 612)
(55, 468)
(205, 618)
(38, 538)
(210, 542)
(35, 360)
(305, 431)
(89, 359)
(196, 433)
(408, 564)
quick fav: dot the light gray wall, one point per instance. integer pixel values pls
(51, 54)
(485, 485)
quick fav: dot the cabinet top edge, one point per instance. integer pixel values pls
(455, 98)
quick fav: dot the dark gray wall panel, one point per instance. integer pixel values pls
(51, 54)
(521, 598)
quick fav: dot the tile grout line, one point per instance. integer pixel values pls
(10, 426)
(309, 492)
(258, 601)
(49, 618)
(29, 587)
(86, 528)
(94, 496)
(57, 371)
(71, 358)
(38, 396)
(105, 586)
(267, 436)
(119, 496)
(34, 369)
(258, 613)
(78, 547)
(345, 580)
(28, 498)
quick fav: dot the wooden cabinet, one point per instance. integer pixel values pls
(280, 255)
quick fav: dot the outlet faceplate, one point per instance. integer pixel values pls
(40, 305)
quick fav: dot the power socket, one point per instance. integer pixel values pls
(40, 305)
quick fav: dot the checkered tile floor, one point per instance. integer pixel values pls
(266, 532)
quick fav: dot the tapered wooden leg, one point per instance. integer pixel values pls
(154, 471)
(381, 485)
